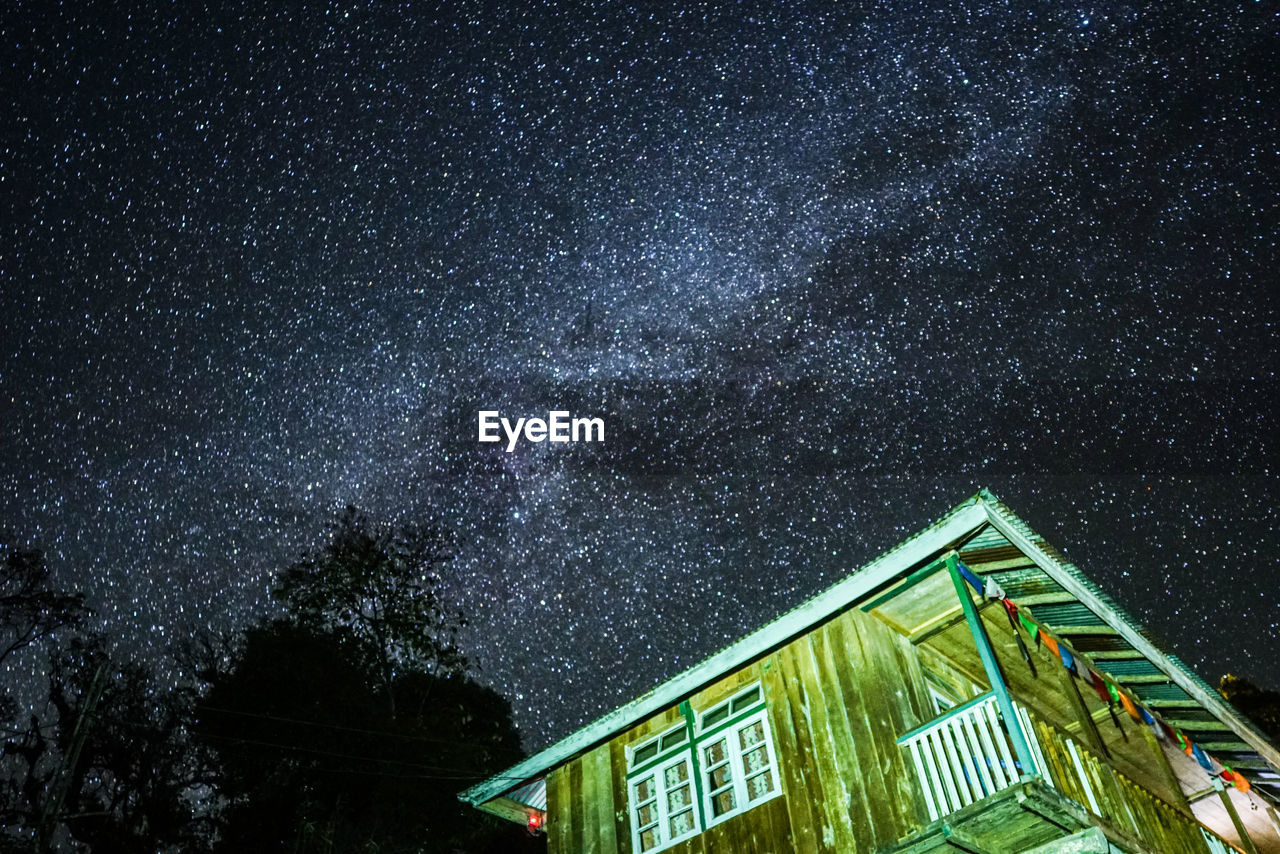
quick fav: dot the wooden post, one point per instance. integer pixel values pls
(1245, 841)
(992, 668)
(1087, 727)
(1166, 770)
(1275, 819)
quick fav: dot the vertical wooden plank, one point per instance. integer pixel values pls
(607, 839)
(573, 789)
(910, 706)
(558, 806)
(589, 799)
(621, 801)
(881, 765)
(837, 794)
(794, 749)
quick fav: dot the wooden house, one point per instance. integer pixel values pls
(968, 690)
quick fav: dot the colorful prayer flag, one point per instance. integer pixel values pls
(1068, 661)
(991, 590)
(967, 574)
(1049, 642)
(1099, 686)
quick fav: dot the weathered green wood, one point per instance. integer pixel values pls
(838, 788)
(1065, 574)
(1088, 729)
(1245, 841)
(907, 583)
(838, 700)
(796, 745)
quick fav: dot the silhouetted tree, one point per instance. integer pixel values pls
(31, 610)
(378, 586)
(106, 764)
(351, 725)
(1261, 705)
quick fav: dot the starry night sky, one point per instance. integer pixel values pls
(824, 269)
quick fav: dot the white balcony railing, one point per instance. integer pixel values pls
(964, 756)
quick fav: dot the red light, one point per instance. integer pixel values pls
(535, 821)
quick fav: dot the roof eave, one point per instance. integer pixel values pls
(1075, 582)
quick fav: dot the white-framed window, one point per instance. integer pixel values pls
(662, 804)
(660, 789)
(677, 788)
(739, 767)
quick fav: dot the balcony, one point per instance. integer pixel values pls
(979, 798)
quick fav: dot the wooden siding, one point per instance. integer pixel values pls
(837, 699)
(1124, 805)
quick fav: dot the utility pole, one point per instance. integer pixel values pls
(66, 766)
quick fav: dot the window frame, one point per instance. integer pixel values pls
(656, 772)
(730, 730)
(741, 715)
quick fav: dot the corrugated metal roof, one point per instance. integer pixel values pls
(531, 795)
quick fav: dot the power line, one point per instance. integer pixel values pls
(455, 773)
(407, 736)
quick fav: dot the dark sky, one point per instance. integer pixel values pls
(824, 269)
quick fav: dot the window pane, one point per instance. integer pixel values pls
(714, 716)
(680, 824)
(673, 739)
(722, 803)
(746, 699)
(759, 786)
(649, 839)
(752, 735)
(646, 815)
(720, 777)
(716, 753)
(676, 774)
(755, 760)
(644, 790)
(644, 754)
(679, 799)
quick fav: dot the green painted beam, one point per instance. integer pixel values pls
(1115, 655)
(1141, 679)
(992, 667)
(907, 583)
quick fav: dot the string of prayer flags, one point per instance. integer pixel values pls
(1047, 640)
(1031, 628)
(1104, 687)
(1238, 780)
(1099, 687)
(1011, 611)
(1150, 721)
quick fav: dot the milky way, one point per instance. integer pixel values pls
(824, 270)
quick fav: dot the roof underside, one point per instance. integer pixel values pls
(992, 541)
